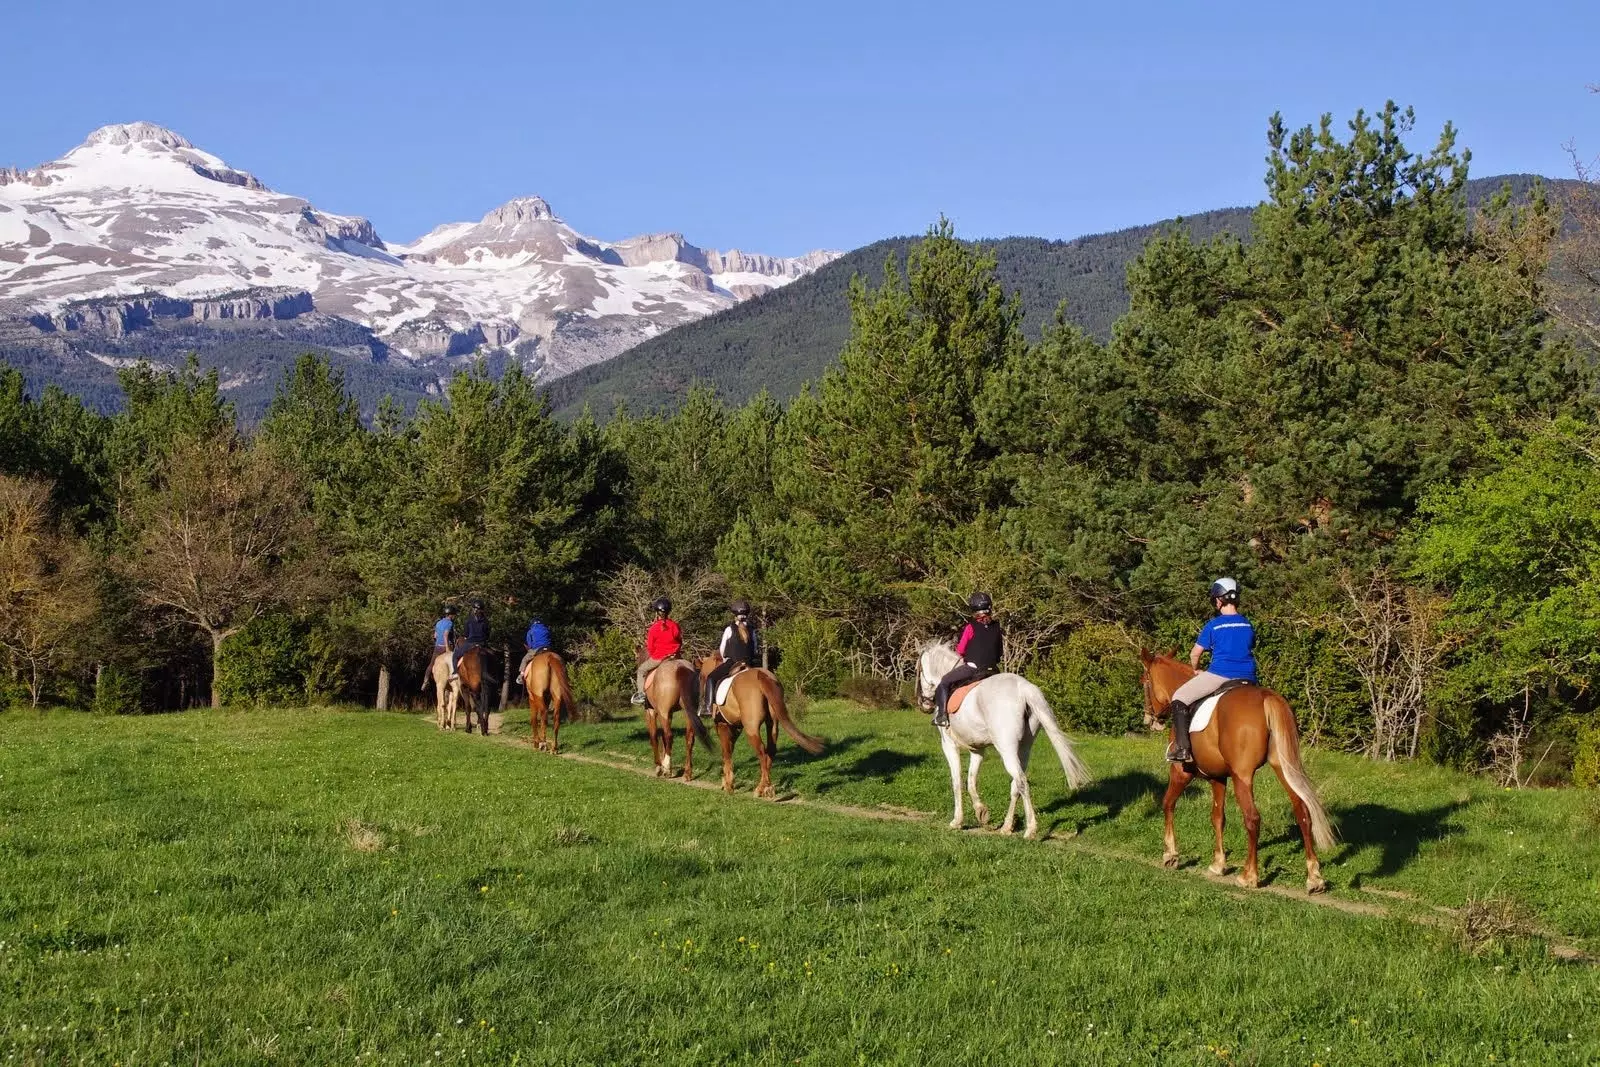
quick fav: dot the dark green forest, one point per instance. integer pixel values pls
(1375, 413)
(783, 339)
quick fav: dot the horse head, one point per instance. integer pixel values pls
(706, 664)
(1160, 678)
(934, 660)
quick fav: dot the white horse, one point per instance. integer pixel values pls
(448, 689)
(1005, 711)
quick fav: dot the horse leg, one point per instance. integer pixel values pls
(554, 709)
(979, 812)
(764, 786)
(1177, 781)
(1244, 796)
(536, 720)
(688, 741)
(664, 768)
(655, 738)
(1019, 789)
(952, 756)
(1219, 802)
(725, 735)
(1315, 883)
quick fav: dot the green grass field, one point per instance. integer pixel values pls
(315, 886)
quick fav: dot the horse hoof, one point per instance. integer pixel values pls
(982, 815)
(1031, 834)
(955, 824)
(1170, 861)
(1316, 885)
(1218, 869)
(1248, 883)
(1006, 831)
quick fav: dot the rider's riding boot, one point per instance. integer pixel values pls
(637, 698)
(941, 711)
(1180, 751)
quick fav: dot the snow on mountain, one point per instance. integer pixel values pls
(138, 210)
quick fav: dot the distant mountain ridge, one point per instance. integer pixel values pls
(790, 336)
(136, 228)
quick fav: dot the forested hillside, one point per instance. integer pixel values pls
(786, 338)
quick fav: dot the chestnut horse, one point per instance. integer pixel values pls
(1251, 725)
(549, 695)
(671, 685)
(473, 671)
(754, 699)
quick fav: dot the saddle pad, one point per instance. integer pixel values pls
(650, 678)
(959, 694)
(1202, 713)
(722, 690)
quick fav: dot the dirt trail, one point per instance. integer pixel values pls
(1414, 910)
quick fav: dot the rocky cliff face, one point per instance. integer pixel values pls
(116, 317)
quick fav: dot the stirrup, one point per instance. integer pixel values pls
(1173, 755)
(636, 699)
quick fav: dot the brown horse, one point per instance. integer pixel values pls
(473, 670)
(754, 699)
(672, 685)
(549, 695)
(1252, 725)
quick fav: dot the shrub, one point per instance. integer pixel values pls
(117, 692)
(1092, 681)
(267, 662)
(872, 692)
(602, 672)
(812, 664)
(1586, 756)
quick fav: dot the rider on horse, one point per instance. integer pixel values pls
(477, 634)
(980, 650)
(663, 641)
(1230, 639)
(444, 639)
(739, 648)
(536, 640)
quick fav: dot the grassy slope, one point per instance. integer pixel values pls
(315, 887)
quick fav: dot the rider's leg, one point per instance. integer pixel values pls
(645, 668)
(1181, 709)
(941, 693)
(708, 691)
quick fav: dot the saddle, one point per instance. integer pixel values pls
(720, 697)
(1203, 710)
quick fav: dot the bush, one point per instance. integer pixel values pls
(117, 692)
(1586, 757)
(812, 664)
(266, 662)
(602, 672)
(872, 692)
(1092, 681)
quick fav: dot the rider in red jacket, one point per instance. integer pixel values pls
(663, 641)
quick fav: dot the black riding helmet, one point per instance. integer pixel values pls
(740, 607)
(477, 605)
(449, 609)
(980, 602)
(662, 606)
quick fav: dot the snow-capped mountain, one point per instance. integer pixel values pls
(136, 221)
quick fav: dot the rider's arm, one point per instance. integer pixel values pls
(1194, 656)
(961, 645)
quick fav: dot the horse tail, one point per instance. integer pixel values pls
(1078, 774)
(1284, 737)
(560, 688)
(689, 701)
(780, 711)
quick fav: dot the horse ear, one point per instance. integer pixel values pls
(1146, 655)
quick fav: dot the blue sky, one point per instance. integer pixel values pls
(784, 127)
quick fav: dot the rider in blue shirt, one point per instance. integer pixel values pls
(477, 634)
(536, 640)
(444, 639)
(1231, 641)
